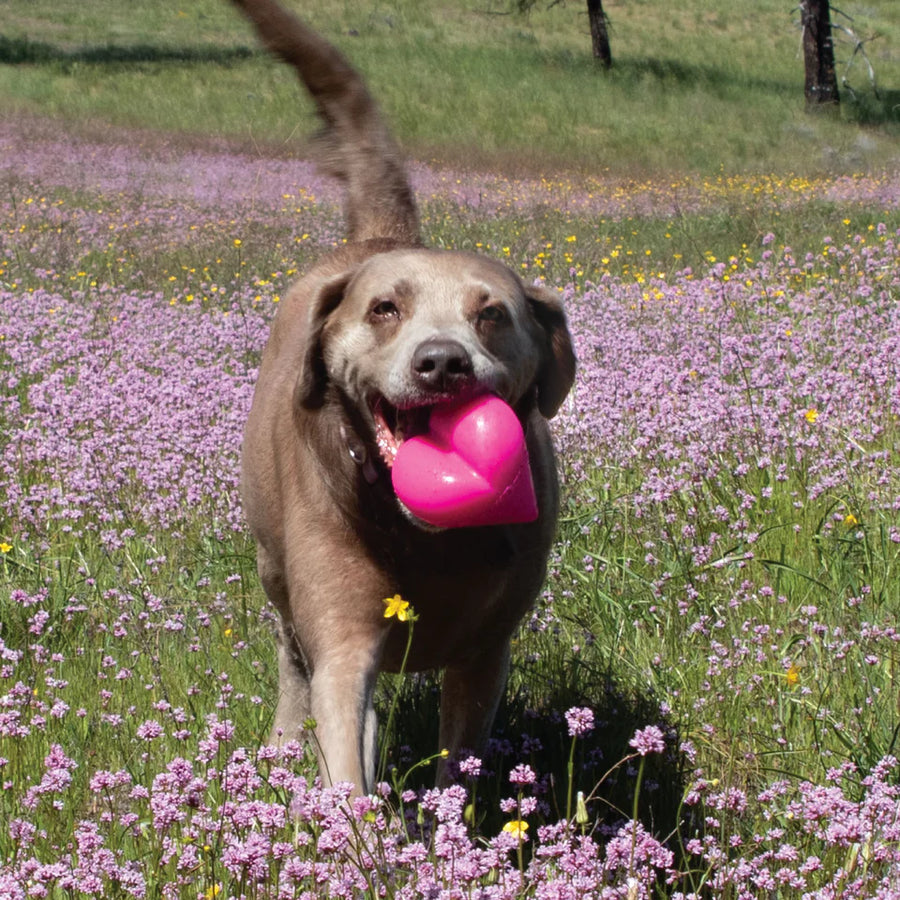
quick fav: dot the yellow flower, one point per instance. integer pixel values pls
(792, 674)
(4, 547)
(849, 520)
(517, 827)
(396, 606)
(811, 415)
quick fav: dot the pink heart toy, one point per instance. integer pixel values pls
(470, 468)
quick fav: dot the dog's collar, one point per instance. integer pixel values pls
(358, 453)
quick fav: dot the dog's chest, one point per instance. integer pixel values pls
(465, 597)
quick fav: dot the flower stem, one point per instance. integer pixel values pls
(634, 814)
(570, 770)
(395, 699)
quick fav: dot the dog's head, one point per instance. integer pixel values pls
(408, 329)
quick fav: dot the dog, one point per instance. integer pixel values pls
(377, 334)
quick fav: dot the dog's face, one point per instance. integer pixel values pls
(410, 329)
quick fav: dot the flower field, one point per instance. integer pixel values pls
(705, 702)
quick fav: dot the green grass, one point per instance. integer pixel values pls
(699, 88)
(695, 94)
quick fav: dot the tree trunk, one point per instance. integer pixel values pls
(818, 54)
(599, 32)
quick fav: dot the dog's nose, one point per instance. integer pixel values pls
(441, 365)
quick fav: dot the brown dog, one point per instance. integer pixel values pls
(362, 347)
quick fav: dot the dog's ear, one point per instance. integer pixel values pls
(313, 379)
(557, 370)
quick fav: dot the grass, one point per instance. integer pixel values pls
(726, 564)
(694, 90)
(726, 568)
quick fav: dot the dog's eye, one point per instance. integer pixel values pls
(492, 314)
(385, 309)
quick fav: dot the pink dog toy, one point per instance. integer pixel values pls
(470, 468)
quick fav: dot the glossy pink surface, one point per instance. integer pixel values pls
(470, 468)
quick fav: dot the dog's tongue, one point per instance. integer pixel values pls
(470, 467)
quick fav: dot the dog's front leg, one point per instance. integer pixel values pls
(341, 695)
(470, 695)
(293, 708)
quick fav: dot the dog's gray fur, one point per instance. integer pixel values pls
(374, 334)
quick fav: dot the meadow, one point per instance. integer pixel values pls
(695, 86)
(704, 703)
(725, 574)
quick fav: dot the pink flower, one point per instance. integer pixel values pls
(522, 774)
(580, 721)
(470, 766)
(648, 740)
(149, 730)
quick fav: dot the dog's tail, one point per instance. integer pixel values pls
(355, 145)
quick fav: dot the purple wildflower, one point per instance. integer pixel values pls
(522, 774)
(580, 721)
(648, 740)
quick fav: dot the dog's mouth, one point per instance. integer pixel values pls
(393, 425)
